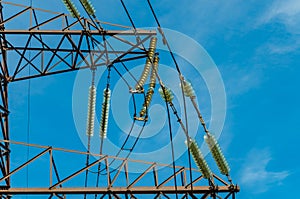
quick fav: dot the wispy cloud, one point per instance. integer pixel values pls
(254, 173)
(239, 79)
(286, 13)
(204, 20)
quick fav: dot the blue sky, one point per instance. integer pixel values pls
(255, 45)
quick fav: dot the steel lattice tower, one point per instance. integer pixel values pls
(73, 52)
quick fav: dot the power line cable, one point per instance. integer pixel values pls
(28, 115)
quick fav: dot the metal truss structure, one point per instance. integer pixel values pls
(61, 44)
(52, 43)
(120, 183)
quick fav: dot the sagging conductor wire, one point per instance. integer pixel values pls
(104, 119)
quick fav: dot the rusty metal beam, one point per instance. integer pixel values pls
(79, 32)
(4, 112)
(142, 175)
(119, 190)
(117, 174)
(25, 164)
(149, 187)
(78, 172)
(171, 177)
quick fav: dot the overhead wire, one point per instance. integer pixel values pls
(129, 87)
(90, 11)
(134, 103)
(208, 137)
(169, 121)
(168, 98)
(129, 149)
(188, 140)
(104, 116)
(145, 121)
(215, 149)
(164, 38)
(165, 42)
(122, 148)
(125, 67)
(93, 88)
(172, 55)
(128, 134)
(28, 114)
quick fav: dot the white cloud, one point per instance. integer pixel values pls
(286, 11)
(283, 48)
(254, 174)
(203, 19)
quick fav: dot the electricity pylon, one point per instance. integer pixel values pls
(60, 44)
